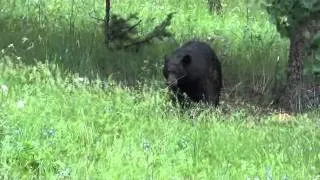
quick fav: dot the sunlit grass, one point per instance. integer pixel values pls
(63, 32)
(53, 127)
(66, 111)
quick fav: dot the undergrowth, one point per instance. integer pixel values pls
(69, 108)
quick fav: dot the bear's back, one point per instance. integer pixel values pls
(199, 51)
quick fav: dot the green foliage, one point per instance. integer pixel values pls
(315, 43)
(55, 128)
(215, 6)
(123, 35)
(312, 65)
(65, 112)
(287, 13)
(63, 32)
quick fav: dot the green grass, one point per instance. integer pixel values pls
(71, 109)
(53, 127)
(63, 32)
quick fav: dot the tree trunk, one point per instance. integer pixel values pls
(294, 99)
(107, 23)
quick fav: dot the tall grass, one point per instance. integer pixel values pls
(63, 32)
(67, 112)
(54, 128)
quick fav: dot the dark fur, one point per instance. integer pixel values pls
(194, 69)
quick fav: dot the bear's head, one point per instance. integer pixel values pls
(175, 69)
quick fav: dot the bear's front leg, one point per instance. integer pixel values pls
(211, 93)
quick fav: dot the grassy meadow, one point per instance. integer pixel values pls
(71, 109)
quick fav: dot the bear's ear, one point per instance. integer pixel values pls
(186, 59)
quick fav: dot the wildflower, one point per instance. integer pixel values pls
(4, 89)
(20, 104)
(268, 173)
(107, 109)
(24, 39)
(11, 46)
(80, 79)
(285, 177)
(146, 145)
(18, 58)
(63, 173)
(49, 132)
(18, 131)
(183, 143)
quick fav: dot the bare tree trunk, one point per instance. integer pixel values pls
(294, 96)
(107, 23)
(292, 99)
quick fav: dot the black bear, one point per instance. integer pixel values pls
(195, 70)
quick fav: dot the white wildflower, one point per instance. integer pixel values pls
(40, 38)
(20, 104)
(11, 46)
(4, 89)
(80, 79)
(63, 173)
(24, 39)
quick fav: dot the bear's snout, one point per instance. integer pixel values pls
(172, 81)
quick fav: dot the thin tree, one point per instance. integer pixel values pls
(107, 23)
